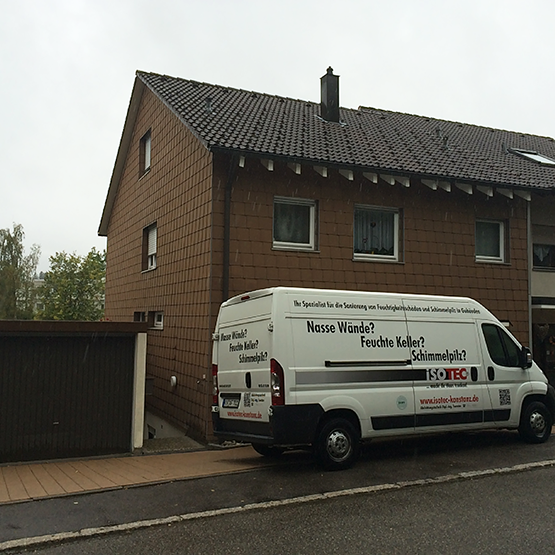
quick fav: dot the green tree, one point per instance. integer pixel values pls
(74, 287)
(17, 270)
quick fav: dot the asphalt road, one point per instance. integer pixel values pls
(441, 496)
(506, 514)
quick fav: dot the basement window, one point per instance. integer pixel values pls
(534, 156)
(156, 320)
(139, 316)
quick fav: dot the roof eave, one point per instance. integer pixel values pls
(130, 119)
(377, 169)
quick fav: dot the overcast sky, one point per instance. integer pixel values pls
(68, 67)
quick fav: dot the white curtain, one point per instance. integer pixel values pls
(374, 232)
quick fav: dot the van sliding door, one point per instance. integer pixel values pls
(351, 352)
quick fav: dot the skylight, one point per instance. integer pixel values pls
(534, 156)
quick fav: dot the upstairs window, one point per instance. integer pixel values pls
(150, 241)
(490, 241)
(544, 256)
(144, 154)
(376, 233)
(294, 224)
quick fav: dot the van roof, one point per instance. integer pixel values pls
(313, 291)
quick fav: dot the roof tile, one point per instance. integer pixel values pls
(366, 138)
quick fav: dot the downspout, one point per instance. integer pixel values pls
(530, 264)
(231, 175)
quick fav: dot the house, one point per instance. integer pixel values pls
(217, 191)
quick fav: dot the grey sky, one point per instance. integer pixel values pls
(68, 67)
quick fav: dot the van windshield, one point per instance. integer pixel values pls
(502, 349)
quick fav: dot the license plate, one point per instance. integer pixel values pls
(230, 403)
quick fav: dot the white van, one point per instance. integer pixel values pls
(323, 368)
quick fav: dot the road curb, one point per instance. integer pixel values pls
(38, 541)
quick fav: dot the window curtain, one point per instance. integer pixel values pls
(374, 232)
(544, 256)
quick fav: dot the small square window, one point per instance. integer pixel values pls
(139, 317)
(150, 245)
(376, 233)
(144, 153)
(490, 241)
(156, 319)
(294, 224)
(544, 256)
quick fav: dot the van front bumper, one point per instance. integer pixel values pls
(288, 425)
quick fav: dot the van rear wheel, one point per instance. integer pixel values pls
(535, 423)
(337, 444)
(268, 450)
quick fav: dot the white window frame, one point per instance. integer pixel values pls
(396, 215)
(145, 152)
(139, 316)
(151, 249)
(488, 258)
(289, 245)
(150, 235)
(158, 320)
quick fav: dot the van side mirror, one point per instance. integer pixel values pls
(525, 358)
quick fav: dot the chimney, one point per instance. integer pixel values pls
(329, 106)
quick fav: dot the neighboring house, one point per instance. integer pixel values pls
(218, 191)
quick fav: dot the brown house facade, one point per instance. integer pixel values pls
(218, 191)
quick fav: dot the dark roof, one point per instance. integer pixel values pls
(368, 138)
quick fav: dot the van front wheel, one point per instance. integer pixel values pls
(535, 423)
(337, 444)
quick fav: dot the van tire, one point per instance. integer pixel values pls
(268, 450)
(337, 444)
(535, 422)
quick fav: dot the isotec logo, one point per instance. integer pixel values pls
(446, 374)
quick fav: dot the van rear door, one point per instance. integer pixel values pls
(242, 352)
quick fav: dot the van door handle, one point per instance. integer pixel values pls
(491, 373)
(248, 380)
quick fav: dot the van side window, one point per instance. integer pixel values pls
(502, 349)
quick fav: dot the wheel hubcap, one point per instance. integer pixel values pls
(339, 445)
(537, 423)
